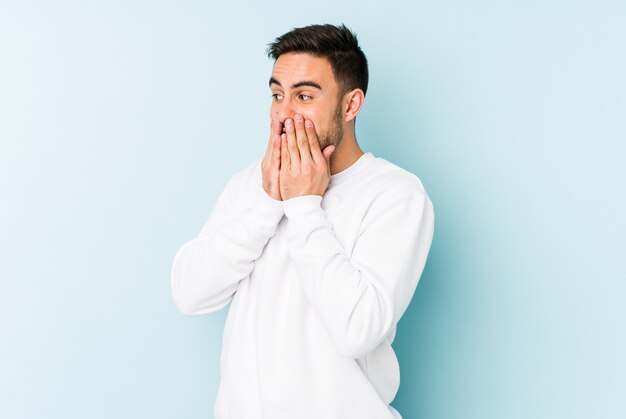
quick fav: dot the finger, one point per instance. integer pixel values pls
(328, 150)
(270, 142)
(314, 142)
(302, 139)
(275, 158)
(285, 158)
(292, 144)
(274, 145)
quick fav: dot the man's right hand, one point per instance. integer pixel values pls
(270, 166)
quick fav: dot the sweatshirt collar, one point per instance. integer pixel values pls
(349, 171)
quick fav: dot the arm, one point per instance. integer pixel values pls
(359, 298)
(206, 270)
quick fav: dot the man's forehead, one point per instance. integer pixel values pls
(291, 68)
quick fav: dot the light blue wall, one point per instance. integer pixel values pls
(121, 121)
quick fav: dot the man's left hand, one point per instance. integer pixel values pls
(304, 167)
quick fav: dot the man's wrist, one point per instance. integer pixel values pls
(302, 206)
(267, 210)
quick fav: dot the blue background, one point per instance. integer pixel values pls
(121, 121)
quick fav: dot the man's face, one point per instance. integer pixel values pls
(304, 84)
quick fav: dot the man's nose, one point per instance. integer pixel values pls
(284, 110)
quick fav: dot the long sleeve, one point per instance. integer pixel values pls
(207, 270)
(361, 297)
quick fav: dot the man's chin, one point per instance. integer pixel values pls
(326, 143)
(327, 140)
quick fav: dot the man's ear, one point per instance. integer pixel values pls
(352, 104)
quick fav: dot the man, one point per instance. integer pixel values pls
(318, 247)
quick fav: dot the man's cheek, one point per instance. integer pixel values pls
(316, 126)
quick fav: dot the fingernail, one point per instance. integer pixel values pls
(308, 123)
(288, 122)
(298, 117)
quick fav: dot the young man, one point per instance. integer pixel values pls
(318, 247)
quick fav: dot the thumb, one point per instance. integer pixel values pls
(328, 150)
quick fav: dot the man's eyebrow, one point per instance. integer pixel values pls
(307, 83)
(299, 84)
(274, 81)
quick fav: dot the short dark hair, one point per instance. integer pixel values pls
(338, 44)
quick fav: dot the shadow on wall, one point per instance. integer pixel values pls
(405, 130)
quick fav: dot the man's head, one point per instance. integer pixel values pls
(321, 73)
(335, 43)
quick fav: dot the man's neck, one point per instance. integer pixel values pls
(345, 154)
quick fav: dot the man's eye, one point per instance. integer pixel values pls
(305, 98)
(276, 96)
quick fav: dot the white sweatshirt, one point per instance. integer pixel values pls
(317, 287)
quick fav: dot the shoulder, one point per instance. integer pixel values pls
(246, 176)
(241, 184)
(247, 172)
(389, 179)
(394, 191)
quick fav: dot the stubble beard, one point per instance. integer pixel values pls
(335, 133)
